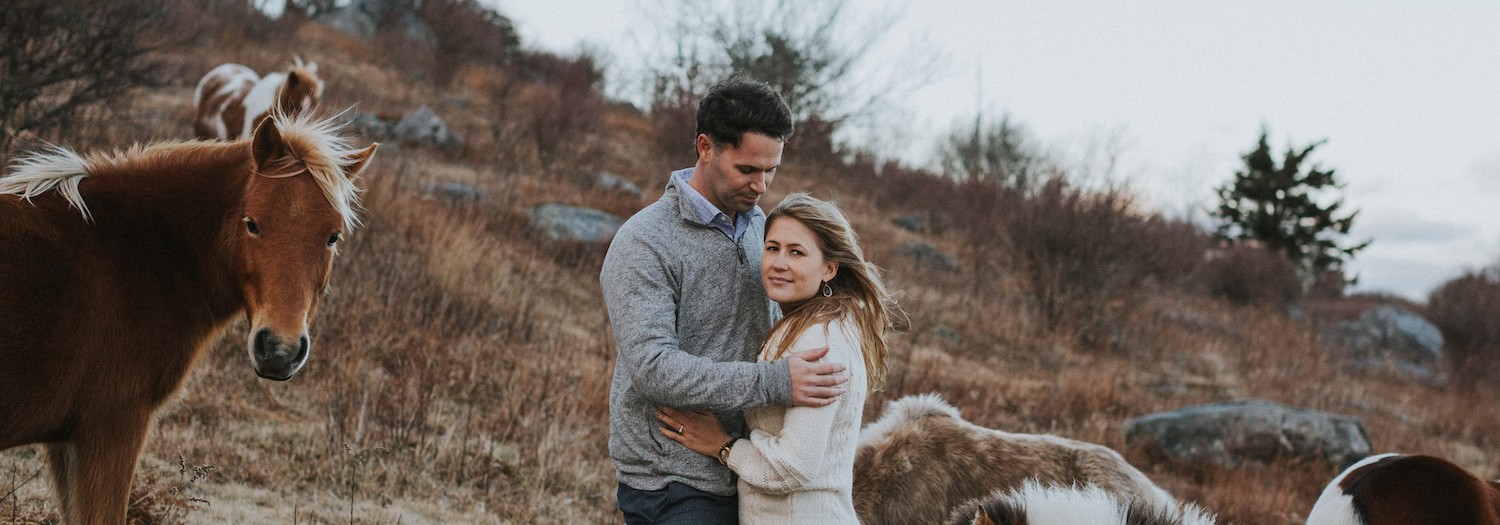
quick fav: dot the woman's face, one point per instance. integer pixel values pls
(792, 267)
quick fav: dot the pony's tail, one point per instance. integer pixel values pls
(901, 411)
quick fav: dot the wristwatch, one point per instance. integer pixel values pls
(724, 451)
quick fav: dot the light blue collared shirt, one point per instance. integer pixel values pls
(712, 215)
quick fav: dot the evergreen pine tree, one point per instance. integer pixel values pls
(1280, 207)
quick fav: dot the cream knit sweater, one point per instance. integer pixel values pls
(798, 464)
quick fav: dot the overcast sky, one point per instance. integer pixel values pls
(1407, 95)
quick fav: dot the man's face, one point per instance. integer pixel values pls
(734, 178)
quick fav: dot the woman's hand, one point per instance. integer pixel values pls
(695, 430)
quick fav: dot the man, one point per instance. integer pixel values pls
(682, 285)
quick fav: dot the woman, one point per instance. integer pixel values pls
(797, 466)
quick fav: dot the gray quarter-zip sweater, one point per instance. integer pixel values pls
(688, 313)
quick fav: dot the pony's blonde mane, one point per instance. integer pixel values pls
(316, 146)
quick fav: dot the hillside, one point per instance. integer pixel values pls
(462, 364)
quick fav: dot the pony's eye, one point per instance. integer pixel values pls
(332, 239)
(251, 227)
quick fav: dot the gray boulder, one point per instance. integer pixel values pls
(914, 223)
(362, 18)
(424, 127)
(924, 222)
(352, 20)
(608, 181)
(1235, 432)
(370, 125)
(928, 256)
(1390, 333)
(454, 191)
(572, 223)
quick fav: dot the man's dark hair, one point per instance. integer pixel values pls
(739, 105)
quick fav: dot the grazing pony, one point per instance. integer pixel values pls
(1033, 504)
(920, 460)
(1391, 489)
(117, 271)
(231, 100)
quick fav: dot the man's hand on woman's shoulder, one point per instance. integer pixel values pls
(815, 384)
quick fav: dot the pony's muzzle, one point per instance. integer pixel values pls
(277, 358)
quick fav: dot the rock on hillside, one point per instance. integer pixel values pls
(1234, 432)
(571, 223)
(1391, 333)
(362, 18)
(929, 256)
(423, 126)
(419, 127)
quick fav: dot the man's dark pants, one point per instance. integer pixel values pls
(676, 504)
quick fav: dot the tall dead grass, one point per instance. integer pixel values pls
(461, 364)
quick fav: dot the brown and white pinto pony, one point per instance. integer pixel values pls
(118, 270)
(1034, 504)
(231, 100)
(920, 460)
(1392, 489)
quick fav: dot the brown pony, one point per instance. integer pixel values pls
(1398, 489)
(117, 271)
(231, 99)
(920, 460)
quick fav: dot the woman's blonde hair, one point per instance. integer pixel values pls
(858, 292)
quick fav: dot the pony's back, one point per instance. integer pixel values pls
(292, 92)
(219, 101)
(1035, 504)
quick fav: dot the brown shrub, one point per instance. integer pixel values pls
(563, 120)
(1467, 311)
(1250, 275)
(466, 32)
(674, 126)
(1080, 251)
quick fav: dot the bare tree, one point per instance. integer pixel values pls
(999, 152)
(58, 58)
(816, 53)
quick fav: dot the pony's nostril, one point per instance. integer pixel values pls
(262, 347)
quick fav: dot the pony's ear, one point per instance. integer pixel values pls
(267, 147)
(361, 160)
(292, 79)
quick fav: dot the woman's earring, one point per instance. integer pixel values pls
(827, 290)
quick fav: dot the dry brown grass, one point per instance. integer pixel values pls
(462, 362)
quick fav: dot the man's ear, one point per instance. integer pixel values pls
(704, 146)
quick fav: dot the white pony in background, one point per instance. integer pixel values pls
(231, 99)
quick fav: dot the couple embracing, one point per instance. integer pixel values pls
(746, 342)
